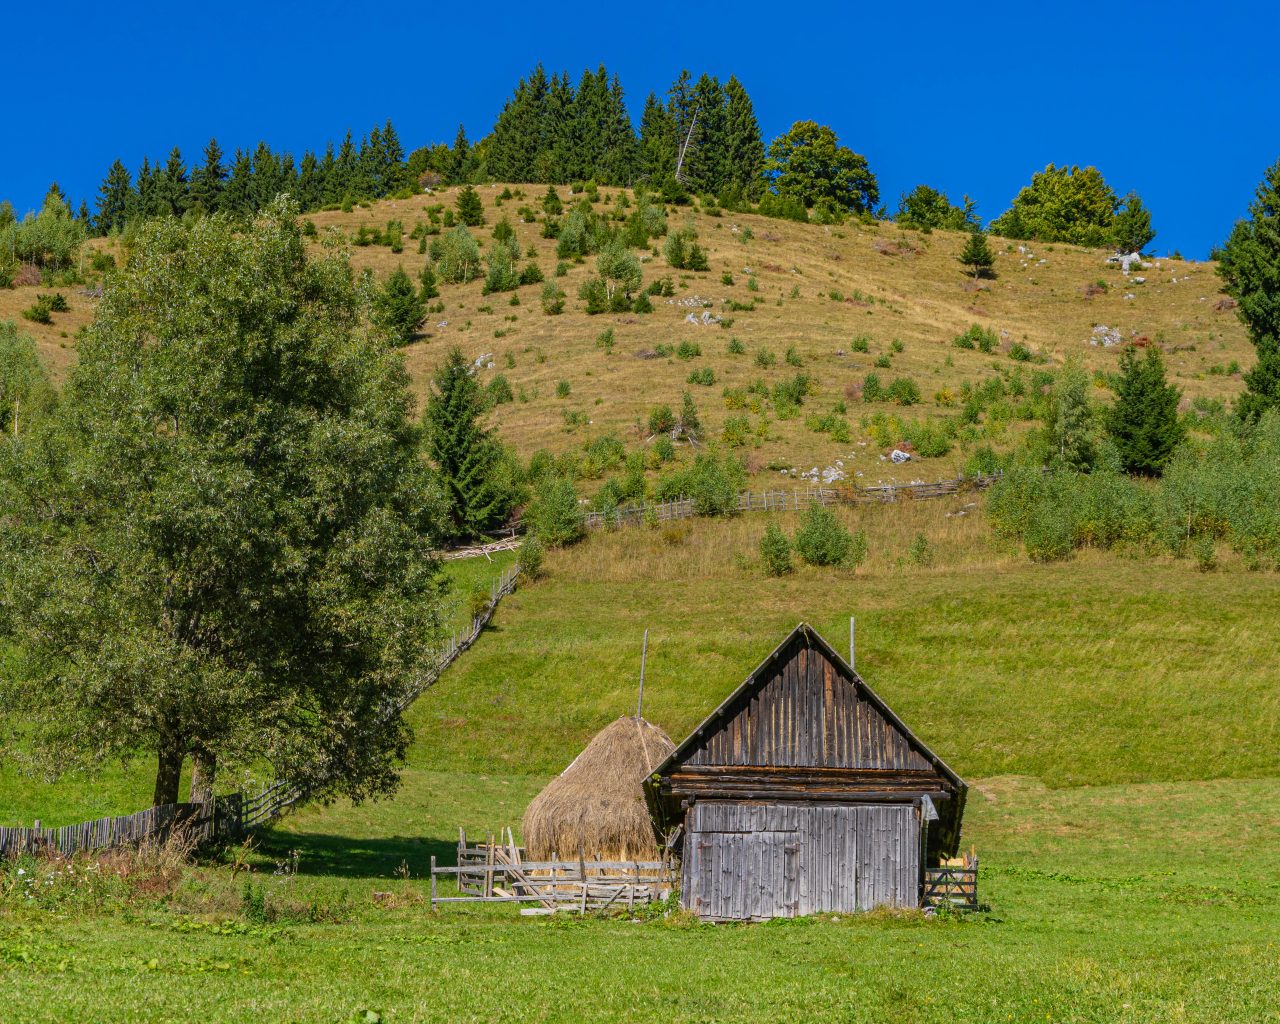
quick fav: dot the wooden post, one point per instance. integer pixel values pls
(851, 647)
(433, 883)
(644, 653)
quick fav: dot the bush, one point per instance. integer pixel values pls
(554, 515)
(40, 312)
(860, 344)
(531, 273)
(821, 538)
(713, 483)
(901, 391)
(688, 350)
(792, 358)
(872, 390)
(498, 391)
(456, 256)
(984, 340)
(765, 358)
(919, 554)
(704, 375)
(661, 419)
(552, 299)
(736, 348)
(775, 551)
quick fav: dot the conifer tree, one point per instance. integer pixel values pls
(1249, 265)
(205, 191)
(344, 172)
(743, 142)
(237, 193)
(705, 164)
(1131, 229)
(169, 188)
(327, 176)
(268, 177)
(518, 135)
(398, 310)
(470, 208)
(977, 255)
(657, 148)
(116, 199)
(146, 181)
(460, 160)
(555, 156)
(392, 168)
(617, 165)
(1144, 422)
(310, 183)
(467, 457)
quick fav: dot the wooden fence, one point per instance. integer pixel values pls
(200, 822)
(496, 872)
(954, 886)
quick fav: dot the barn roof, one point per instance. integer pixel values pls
(761, 674)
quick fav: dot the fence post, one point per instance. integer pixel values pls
(433, 883)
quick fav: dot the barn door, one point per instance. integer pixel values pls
(739, 864)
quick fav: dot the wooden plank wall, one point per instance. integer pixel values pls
(755, 861)
(807, 715)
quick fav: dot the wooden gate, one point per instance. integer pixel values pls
(754, 861)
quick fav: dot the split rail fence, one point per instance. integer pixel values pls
(496, 872)
(956, 886)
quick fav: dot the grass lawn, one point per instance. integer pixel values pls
(1117, 719)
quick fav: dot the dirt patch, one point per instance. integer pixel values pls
(1225, 304)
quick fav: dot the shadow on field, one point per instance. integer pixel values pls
(351, 857)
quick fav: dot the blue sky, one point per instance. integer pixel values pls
(1174, 100)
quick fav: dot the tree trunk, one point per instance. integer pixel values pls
(168, 771)
(203, 766)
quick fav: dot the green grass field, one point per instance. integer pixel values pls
(1117, 719)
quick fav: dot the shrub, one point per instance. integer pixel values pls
(642, 304)
(1019, 352)
(737, 431)
(470, 208)
(765, 358)
(593, 292)
(712, 482)
(872, 390)
(554, 515)
(456, 256)
(919, 554)
(883, 361)
(775, 551)
(860, 344)
(736, 348)
(605, 340)
(552, 299)
(661, 419)
(704, 375)
(792, 358)
(502, 275)
(498, 391)
(688, 350)
(901, 391)
(976, 337)
(821, 538)
(531, 273)
(40, 312)
(562, 389)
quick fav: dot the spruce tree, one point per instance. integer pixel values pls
(116, 199)
(1131, 228)
(977, 255)
(617, 163)
(743, 142)
(467, 457)
(470, 208)
(398, 310)
(170, 187)
(237, 194)
(705, 163)
(518, 134)
(343, 175)
(146, 197)
(1249, 265)
(461, 163)
(205, 191)
(393, 168)
(268, 177)
(1144, 422)
(555, 155)
(328, 178)
(310, 183)
(657, 148)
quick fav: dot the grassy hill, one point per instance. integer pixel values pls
(1117, 718)
(819, 289)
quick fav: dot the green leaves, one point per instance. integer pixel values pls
(1144, 422)
(808, 164)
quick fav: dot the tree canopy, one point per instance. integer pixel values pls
(1071, 204)
(926, 208)
(1144, 422)
(220, 544)
(809, 165)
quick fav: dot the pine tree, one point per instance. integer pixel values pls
(116, 199)
(555, 155)
(310, 183)
(1249, 265)
(470, 208)
(705, 164)
(393, 168)
(1144, 422)
(744, 144)
(327, 177)
(268, 177)
(518, 135)
(398, 310)
(343, 175)
(237, 193)
(977, 255)
(169, 189)
(461, 163)
(617, 165)
(1131, 228)
(205, 192)
(657, 149)
(467, 458)
(82, 214)
(146, 181)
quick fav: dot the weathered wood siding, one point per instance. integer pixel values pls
(807, 714)
(754, 861)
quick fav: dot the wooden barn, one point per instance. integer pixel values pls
(803, 793)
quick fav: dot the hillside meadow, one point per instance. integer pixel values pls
(1116, 719)
(818, 292)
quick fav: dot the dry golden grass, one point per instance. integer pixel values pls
(909, 287)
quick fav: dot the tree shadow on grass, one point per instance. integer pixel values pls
(354, 857)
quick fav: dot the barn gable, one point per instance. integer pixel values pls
(805, 726)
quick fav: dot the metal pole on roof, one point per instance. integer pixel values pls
(851, 635)
(644, 652)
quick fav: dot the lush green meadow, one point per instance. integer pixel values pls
(1117, 718)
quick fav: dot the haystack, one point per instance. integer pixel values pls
(597, 804)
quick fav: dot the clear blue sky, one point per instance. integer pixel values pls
(1175, 100)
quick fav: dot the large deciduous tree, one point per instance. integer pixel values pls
(219, 546)
(809, 165)
(1062, 204)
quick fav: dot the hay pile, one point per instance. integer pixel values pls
(597, 805)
